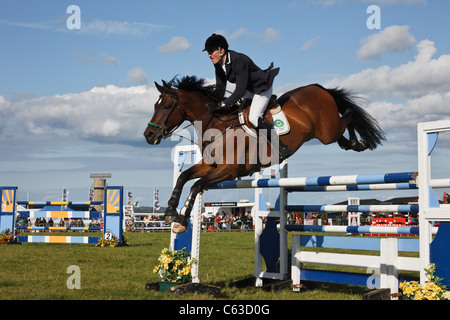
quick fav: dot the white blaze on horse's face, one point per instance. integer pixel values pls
(165, 117)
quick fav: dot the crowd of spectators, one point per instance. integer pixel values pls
(63, 222)
(228, 222)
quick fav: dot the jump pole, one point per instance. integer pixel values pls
(112, 215)
(429, 208)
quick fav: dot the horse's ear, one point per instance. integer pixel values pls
(165, 84)
(160, 89)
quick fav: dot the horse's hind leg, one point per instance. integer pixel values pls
(352, 143)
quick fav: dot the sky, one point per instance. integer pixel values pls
(77, 84)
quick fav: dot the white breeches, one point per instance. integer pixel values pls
(258, 106)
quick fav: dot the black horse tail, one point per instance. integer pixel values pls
(367, 127)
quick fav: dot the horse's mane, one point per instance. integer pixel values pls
(193, 83)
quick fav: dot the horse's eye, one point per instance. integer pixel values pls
(167, 106)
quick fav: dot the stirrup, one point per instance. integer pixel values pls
(284, 152)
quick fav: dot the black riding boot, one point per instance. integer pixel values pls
(283, 150)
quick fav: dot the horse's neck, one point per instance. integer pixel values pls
(197, 112)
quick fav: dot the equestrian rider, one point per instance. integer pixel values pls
(251, 83)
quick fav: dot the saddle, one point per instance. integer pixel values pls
(273, 114)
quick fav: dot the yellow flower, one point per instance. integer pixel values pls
(418, 296)
(430, 295)
(402, 285)
(447, 295)
(408, 290)
(167, 259)
(187, 270)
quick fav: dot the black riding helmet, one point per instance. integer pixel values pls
(215, 41)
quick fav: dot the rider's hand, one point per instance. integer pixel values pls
(213, 106)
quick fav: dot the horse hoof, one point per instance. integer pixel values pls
(178, 228)
(358, 146)
(363, 145)
(170, 215)
(169, 219)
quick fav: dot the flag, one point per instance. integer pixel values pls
(65, 197)
(156, 199)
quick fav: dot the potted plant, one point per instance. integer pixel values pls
(174, 267)
(6, 237)
(113, 242)
(433, 289)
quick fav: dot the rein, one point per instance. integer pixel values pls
(163, 126)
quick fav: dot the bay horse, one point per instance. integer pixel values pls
(312, 112)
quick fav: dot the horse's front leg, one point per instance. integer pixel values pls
(193, 172)
(215, 176)
(181, 220)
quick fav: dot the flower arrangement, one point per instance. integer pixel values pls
(174, 266)
(431, 290)
(6, 237)
(113, 242)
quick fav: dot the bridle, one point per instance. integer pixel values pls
(163, 127)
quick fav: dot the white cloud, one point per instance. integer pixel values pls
(238, 33)
(328, 3)
(401, 96)
(119, 28)
(271, 35)
(108, 114)
(137, 76)
(4, 111)
(413, 79)
(96, 27)
(103, 58)
(392, 38)
(109, 59)
(308, 44)
(175, 44)
(32, 25)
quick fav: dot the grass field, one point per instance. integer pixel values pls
(39, 271)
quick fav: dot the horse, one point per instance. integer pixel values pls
(312, 111)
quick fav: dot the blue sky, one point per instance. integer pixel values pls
(76, 101)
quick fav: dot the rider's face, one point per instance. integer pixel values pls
(216, 55)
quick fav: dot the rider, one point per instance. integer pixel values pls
(251, 82)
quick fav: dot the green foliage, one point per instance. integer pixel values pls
(175, 266)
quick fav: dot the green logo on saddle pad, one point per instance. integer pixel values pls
(278, 123)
